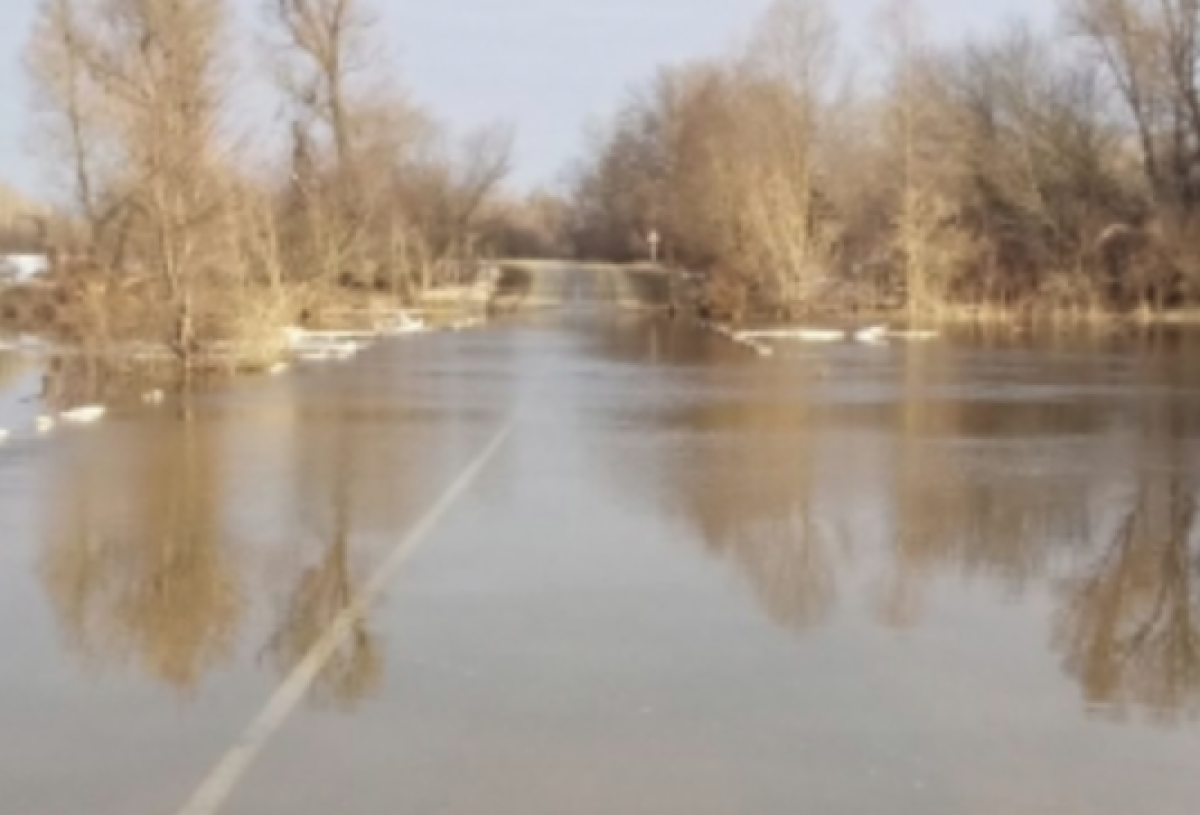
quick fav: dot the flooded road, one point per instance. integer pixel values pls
(946, 578)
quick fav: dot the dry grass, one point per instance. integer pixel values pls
(237, 326)
(244, 325)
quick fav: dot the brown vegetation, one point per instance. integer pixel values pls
(164, 191)
(1024, 173)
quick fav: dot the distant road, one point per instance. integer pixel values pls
(552, 284)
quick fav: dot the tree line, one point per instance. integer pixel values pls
(232, 224)
(1024, 171)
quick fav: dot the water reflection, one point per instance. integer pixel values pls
(1130, 623)
(823, 497)
(168, 531)
(139, 565)
(971, 486)
(328, 484)
(240, 523)
(875, 486)
(752, 498)
(75, 379)
(10, 370)
(1130, 620)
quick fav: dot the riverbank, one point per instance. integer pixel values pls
(233, 329)
(991, 328)
(991, 317)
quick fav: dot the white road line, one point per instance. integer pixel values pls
(212, 795)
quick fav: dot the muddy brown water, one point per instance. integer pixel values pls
(945, 578)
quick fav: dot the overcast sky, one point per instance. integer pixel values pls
(545, 66)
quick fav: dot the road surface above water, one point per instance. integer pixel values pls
(663, 575)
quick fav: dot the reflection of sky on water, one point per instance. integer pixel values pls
(18, 380)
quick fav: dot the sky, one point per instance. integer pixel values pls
(546, 67)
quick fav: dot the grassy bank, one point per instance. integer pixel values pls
(236, 327)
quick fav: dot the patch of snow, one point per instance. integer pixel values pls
(22, 268)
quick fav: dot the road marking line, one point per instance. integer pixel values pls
(216, 789)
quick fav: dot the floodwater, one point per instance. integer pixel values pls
(946, 578)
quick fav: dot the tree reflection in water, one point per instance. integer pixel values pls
(1130, 624)
(138, 567)
(326, 591)
(753, 498)
(142, 560)
(11, 369)
(1129, 627)
(800, 496)
(1015, 494)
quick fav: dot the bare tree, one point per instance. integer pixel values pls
(779, 110)
(353, 131)
(1149, 50)
(724, 161)
(325, 45)
(445, 194)
(322, 45)
(928, 242)
(137, 87)
(55, 58)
